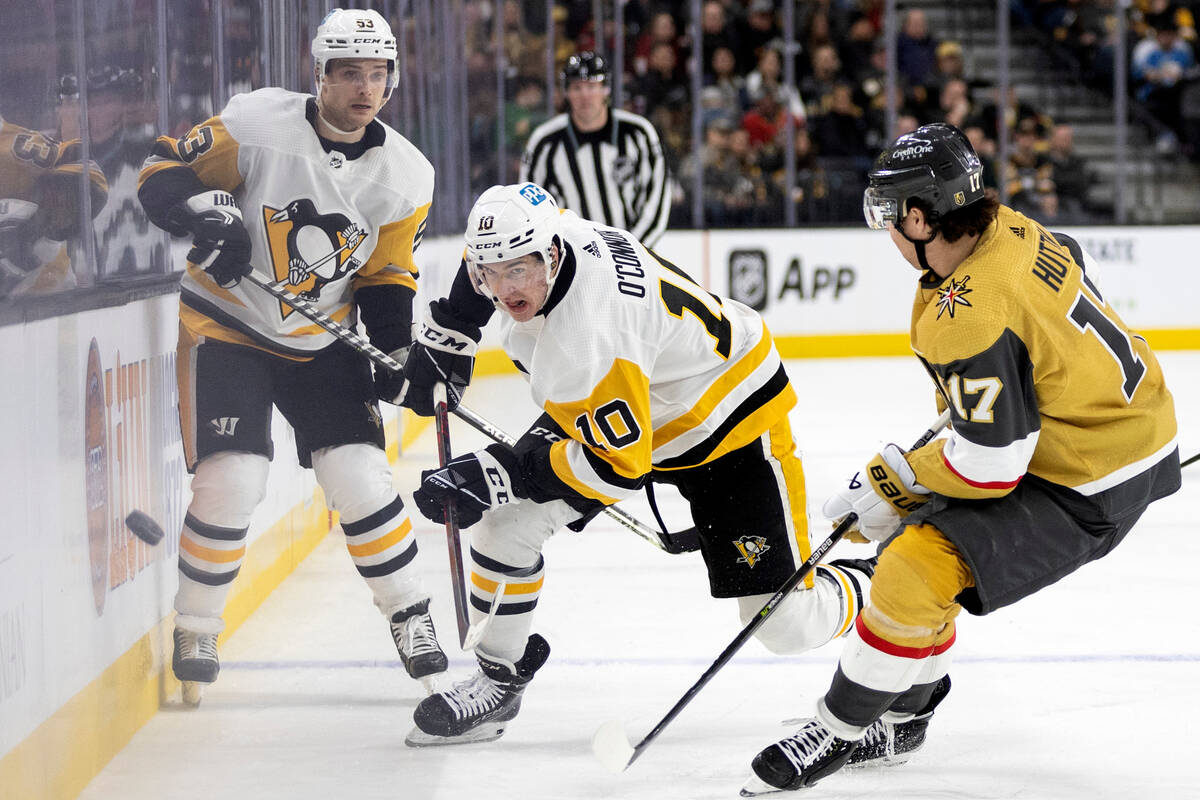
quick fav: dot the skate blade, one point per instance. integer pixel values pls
(756, 787)
(192, 692)
(484, 733)
(882, 761)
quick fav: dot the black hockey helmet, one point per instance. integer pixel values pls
(585, 66)
(934, 163)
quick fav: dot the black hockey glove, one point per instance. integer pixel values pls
(389, 384)
(438, 355)
(220, 242)
(475, 483)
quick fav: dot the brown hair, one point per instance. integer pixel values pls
(970, 221)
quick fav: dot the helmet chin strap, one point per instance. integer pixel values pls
(330, 125)
(919, 244)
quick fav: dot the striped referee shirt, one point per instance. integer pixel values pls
(616, 175)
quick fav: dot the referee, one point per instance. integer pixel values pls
(604, 164)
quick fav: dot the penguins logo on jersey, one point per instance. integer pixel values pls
(311, 249)
(953, 295)
(752, 549)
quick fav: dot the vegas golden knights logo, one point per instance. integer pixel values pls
(752, 549)
(310, 249)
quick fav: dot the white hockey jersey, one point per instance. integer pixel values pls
(320, 223)
(641, 366)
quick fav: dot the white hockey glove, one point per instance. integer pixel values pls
(220, 242)
(475, 483)
(879, 494)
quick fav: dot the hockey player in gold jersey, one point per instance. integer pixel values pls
(316, 194)
(1063, 432)
(642, 375)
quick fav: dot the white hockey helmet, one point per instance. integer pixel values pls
(354, 33)
(508, 222)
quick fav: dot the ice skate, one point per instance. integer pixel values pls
(799, 761)
(892, 743)
(417, 644)
(479, 708)
(194, 662)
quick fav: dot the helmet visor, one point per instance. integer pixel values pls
(878, 210)
(520, 274)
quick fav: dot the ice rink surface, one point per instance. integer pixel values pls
(1089, 689)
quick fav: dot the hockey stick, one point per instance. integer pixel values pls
(672, 542)
(1191, 460)
(611, 743)
(364, 346)
(457, 575)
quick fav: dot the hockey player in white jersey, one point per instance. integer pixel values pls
(642, 375)
(319, 195)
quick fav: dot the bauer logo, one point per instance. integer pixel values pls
(95, 459)
(748, 278)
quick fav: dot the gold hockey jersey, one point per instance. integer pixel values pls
(321, 224)
(641, 366)
(1041, 375)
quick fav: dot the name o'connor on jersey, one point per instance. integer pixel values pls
(324, 224)
(642, 367)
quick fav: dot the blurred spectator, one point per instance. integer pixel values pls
(826, 71)
(767, 77)
(858, 49)
(765, 119)
(1082, 29)
(1015, 112)
(524, 51)
(726, 80)
(954, 103)
(840, 130)
(715, 31)
(525, 110)
(759, 30)
(1072, 179)
(1158, 65)
(662, 30)
(916, 49)
(660, 85)
(1030, 173)
(728, 194)
(985, 148)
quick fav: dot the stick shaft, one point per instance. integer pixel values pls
(788, 586)
(364, 346)
(453, 543)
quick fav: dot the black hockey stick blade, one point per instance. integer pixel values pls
(143, 526)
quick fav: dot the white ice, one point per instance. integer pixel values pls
(1086, 690)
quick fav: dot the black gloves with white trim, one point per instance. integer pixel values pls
(220, 242)
(474, 483)
(439, 354)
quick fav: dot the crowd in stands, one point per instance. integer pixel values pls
(838, 103)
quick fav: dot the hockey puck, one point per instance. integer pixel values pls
(143, 527)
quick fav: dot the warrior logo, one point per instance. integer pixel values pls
(953, 295)
(311, 249)
(752, 549)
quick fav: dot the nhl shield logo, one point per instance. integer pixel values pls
(748, 278)
(752, 548)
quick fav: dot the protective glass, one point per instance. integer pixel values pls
(879, 211)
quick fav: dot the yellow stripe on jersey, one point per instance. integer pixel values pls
(619, 403)
(730, 379)
(210, 554)
(394, 249)
(207, 149)
(560, 463)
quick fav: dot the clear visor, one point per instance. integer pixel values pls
(521, 275)
(373, 77)
(879, 211)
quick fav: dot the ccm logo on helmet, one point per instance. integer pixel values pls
(533, 194)
(487, 245)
